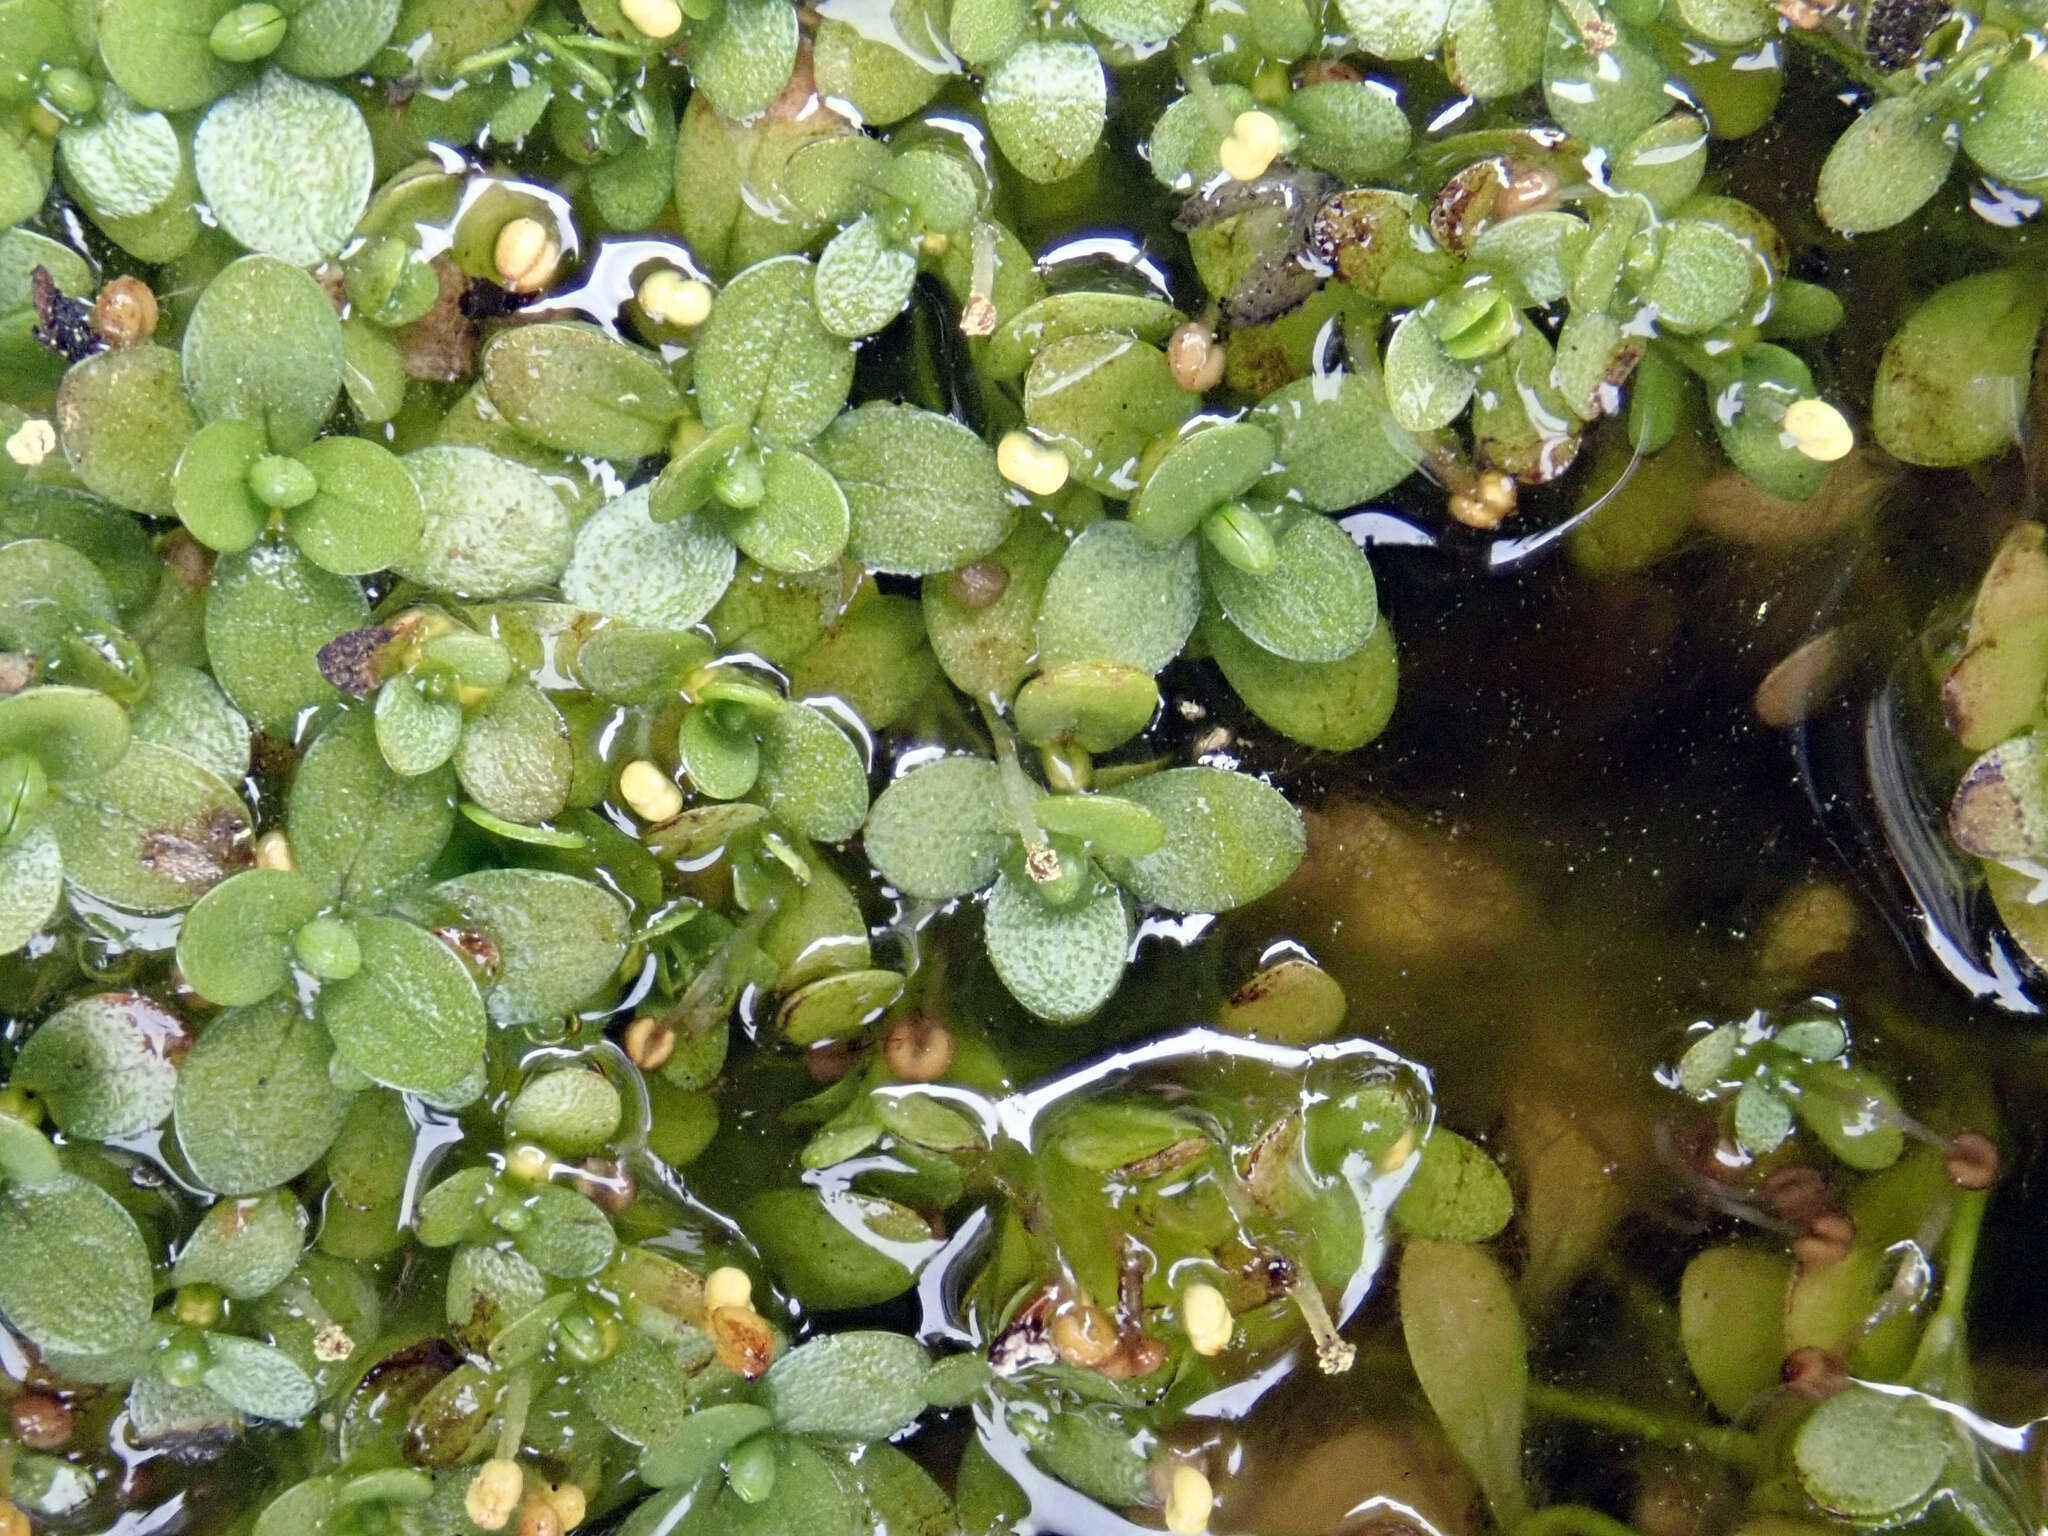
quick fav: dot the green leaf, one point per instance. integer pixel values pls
(802, 521)
(1046, 104)
(988, 648)
(1230, 839)
(72, 732)
(235, 944)
(1335, 705)
(411, 1017)
(1096, 705)
(74, 1271)
(1036, 326)
(812, 776)
(820, 1243)
(114, 542)
(1703, 276)
(1062, 963)
(186, 711)
(764, 359)
(1089, 1449)
(1470, 1353)
(102, 1065)
(264, 345)
(31, 886)
(1107, 823)
(887, 67)
(210, 488)
(246, 1247)
(1873, 1456)
(923, 489)
(700, 1445)
(1427, 388)
(326, 38)
(1854, 1111)
(1950, 386)
(360, 832)
(939, 831)
(255, 1379)
(746, 58)
(124, 420)
(1730, 1305)
(1118, 596)
(1884, 169)
(863, 279)
(665, 575)
(493, 527)
(1135, 21)
(1762, 1119)
(857, 1386)
(983, 31)
(1318, 603)
(637, 1392)
(571, 1110)
(152, 834)
(1749, 420)
(1101, 399)
(570, 1237)
(1338, 443)
(1457, 1194)
(1494, 48)
(1203, 470)
(1608, 97)
(2008, 137)
(577, 390)
(157, 51)
(366, 515)
(1407, 29)
(1665, 161)
(559, 939)
(416, 734)
(286, 167)
(514, 758)
(1185, 140)
(124, 165)
(1349, 128)
(836, 1007)
(268, 612)
(719, 761)
(255, 1104)
(436, 34)
(373, 370)
(632, 188)
(690, 479)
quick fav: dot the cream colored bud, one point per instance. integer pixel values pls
(1196, 357)
(1818, 430)
(1253, 145)
(33, 441)
(656, 18)
(1038, 467)
(673, 299)
(526, 255)
(652, 794)
(1189, 1501)
(494, 1493)
(528, 1163)
(1206, 1316)
(274, 851)
(728, 1286)
(570, 1503)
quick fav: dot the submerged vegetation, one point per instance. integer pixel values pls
(644, 647)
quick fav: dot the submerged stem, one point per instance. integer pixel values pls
(1735, 1446)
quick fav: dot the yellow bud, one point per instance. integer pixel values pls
(528, 1163)
(656, 18)
(569, 1503)
(526, 255)
(274, 851)
(1818, 430)
(494, 1493)
(1188, 1501)
(1038, 467)
(1253, 145)
(673, 299)
(652, 794)
(727, 1286)
(1259, 130)
(1206, 1316)
(33, 441)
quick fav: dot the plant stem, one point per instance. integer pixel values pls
(1020, 797)
(1940, 1362)
(1735, 1446)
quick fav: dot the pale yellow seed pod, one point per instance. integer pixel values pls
(728, 1286)
(274, 851)
(1206, 1316)
(652, 794)
(656, 18)
(1038, 467)
(669, 298)
(494, 1493)
(526, 255)
(1818, 430)
(1189, 1501)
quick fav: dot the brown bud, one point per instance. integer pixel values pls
(917, 1049)
(829, 1062)
(608, 1182)
(650, 1042)
(1085, 1336)
(1138, 1356)
(538, 1517)
(41, 1422)
(977, 586)
(1826, 1239)
(1327, 72)
(744, 1341)
(125, 312)
(1972, 1161)
(1796, 1193)
(1813, 1372)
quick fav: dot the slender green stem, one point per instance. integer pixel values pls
(1940, 1362)
(489, 59)
(1734, 1446)
(709, 996)
(512, 1411)
(593, 77)
(1572, 1520)
(1020, 796)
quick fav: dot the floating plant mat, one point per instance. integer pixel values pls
(950, 768)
